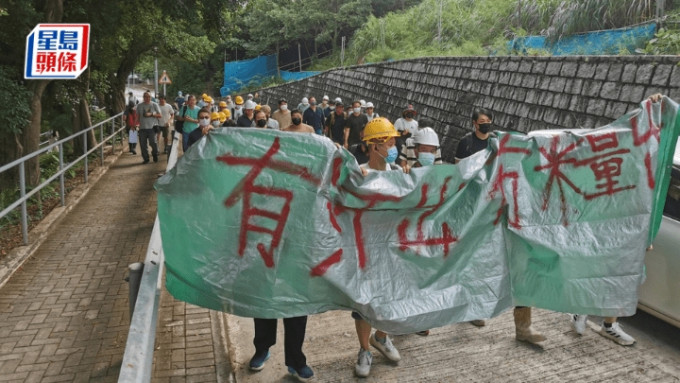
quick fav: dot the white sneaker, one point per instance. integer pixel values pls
(363, 366)
(578, 323)
(386, 348)
(616, 333)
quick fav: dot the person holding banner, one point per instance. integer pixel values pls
(379, 135)
(294, 328)
(472, 143)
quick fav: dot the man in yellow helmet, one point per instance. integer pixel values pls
(238, 109)
(379, 135)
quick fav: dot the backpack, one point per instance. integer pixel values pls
(179, 124)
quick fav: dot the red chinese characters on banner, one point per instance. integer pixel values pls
(605, 164)
(640, 138)
(246, 189)
(447, 238)
(501, 178)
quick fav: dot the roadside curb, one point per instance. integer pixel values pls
(19, 255)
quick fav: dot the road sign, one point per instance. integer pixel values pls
(165, 79)
(57, 51)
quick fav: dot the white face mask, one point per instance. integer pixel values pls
(284, 107)
(216, 124)
(204, 121)
(357, 110)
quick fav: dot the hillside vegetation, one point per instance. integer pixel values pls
(482, 27)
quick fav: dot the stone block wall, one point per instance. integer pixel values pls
(524, 93)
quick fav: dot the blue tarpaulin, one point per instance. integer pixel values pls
(611, 41)
(238, 74)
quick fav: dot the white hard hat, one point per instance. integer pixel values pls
(250, 95)
(305, 100)
(338, 99)
(363, 103)
(369, 105)
(426, 136)
(250, 104)
(325, 98)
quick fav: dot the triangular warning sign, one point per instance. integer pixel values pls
(165, 79)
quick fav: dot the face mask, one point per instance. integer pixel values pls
(332, 107)
(261, 123)
(426, 159)
(409, 115)
(216, 124)
(204, 121)
(356, 110)
(485, 128)
(392, 154)
(297, 121)
(312, 103)
(238, 107)
(284, 107)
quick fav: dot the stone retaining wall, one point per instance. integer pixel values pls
(524, 93)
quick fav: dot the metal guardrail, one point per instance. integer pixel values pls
(24, 196)
(138, 357)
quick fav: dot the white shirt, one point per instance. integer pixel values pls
(272, 124)
(401, 125)
(166, 113)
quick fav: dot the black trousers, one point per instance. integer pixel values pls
(294, 336)
(148, 136)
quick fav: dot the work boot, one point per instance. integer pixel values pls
(523, 330)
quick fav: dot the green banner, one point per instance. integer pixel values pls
(270, 224)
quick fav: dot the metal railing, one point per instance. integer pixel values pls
(138, 358)
(63, 167)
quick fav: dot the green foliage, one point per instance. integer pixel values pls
(666, 41)
(15, 100)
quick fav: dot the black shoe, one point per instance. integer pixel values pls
(134, 153)
(155, 159)
(145, 162)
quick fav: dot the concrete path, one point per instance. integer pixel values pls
(64, 315)
(465, 353)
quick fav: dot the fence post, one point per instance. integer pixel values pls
(62, 192)
(22, 190)
(134, 279)
(85, 150)
(101, 142)
(113, 136)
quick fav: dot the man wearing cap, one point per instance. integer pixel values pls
(370, 114)
(379, 136)
(303, 105)
(406, 125)
(325, 106)
(314, 116)
(149, 113)
(179, 100)
(247, 120)
(282, 114)
(355, 123)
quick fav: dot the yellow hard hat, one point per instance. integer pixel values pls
(226, 113)
(222, 116)
(214, 116)
(223, 104)
(379, 129)
(238, 100)
(209, 100)
(258, 107)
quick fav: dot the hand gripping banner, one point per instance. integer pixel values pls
(271, 224)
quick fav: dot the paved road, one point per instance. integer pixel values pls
(64, 315)
(465, 353)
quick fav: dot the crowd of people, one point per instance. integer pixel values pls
(376, 143)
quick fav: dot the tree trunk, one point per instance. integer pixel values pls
(30, 137)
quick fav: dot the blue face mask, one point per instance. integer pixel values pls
(426, 159)
(392, 154)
